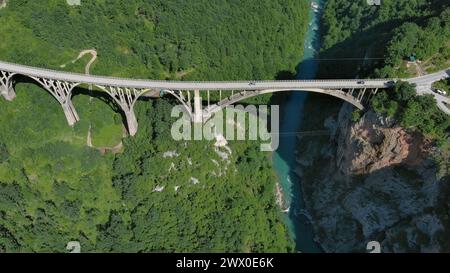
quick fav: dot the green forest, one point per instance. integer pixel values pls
(414, 112)
(154, 194)
(158, 39)
(377, 41)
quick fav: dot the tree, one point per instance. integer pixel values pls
(4, 155)
(380, 101)
(412, 116)
(404, 92)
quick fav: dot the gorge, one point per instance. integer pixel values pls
(375, 178)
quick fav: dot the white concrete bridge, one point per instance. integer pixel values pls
(125, 92)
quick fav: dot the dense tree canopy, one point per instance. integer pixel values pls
(383, 37)
(203, 39)
(54, 189)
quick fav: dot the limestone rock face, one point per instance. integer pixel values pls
(374, 143)
(377, 181)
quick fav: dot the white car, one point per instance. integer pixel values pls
(442, 92)
(439, 91)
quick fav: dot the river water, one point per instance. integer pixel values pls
(284, 157)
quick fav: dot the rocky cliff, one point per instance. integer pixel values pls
(372, 180)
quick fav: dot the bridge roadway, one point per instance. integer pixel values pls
(186, 85)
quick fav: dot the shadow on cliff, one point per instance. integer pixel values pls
(322, 174)
(358, 56)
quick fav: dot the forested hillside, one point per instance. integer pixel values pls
(156, 194)
(378, 40)
(203, 39)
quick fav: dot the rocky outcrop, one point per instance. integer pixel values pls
(375, 142)
(373, 180)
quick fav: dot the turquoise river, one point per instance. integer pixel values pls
(284, 158)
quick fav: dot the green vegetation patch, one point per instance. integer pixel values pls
(54, 189)
(413, 111)
(378, 41)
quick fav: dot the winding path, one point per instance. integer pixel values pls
(88, 65)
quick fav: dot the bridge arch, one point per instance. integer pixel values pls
(60, 90)
(242, 95)
(179, 96)
(126, 91)
(6, 85)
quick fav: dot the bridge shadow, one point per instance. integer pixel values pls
(82, 89)
(358, 55)
(106, 99)
(21, 79)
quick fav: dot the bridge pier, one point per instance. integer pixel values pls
(70, 113)
(62, 91)
(125, 99)
(7, 92)
(6, 85)
(132, 123)
(198, 113)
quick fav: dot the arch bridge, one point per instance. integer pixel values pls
(125, 92)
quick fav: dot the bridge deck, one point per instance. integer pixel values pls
(186, 85)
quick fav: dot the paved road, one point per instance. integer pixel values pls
(424, 84)
(430, 78)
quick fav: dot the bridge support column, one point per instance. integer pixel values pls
(125, 99)
(62, 91)
(7, 92)
(198, 113)
(132, 123)
(70, 112)
(6, 85)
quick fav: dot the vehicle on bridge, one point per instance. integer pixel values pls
(391, 83)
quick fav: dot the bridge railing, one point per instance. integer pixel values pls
(117, 81)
